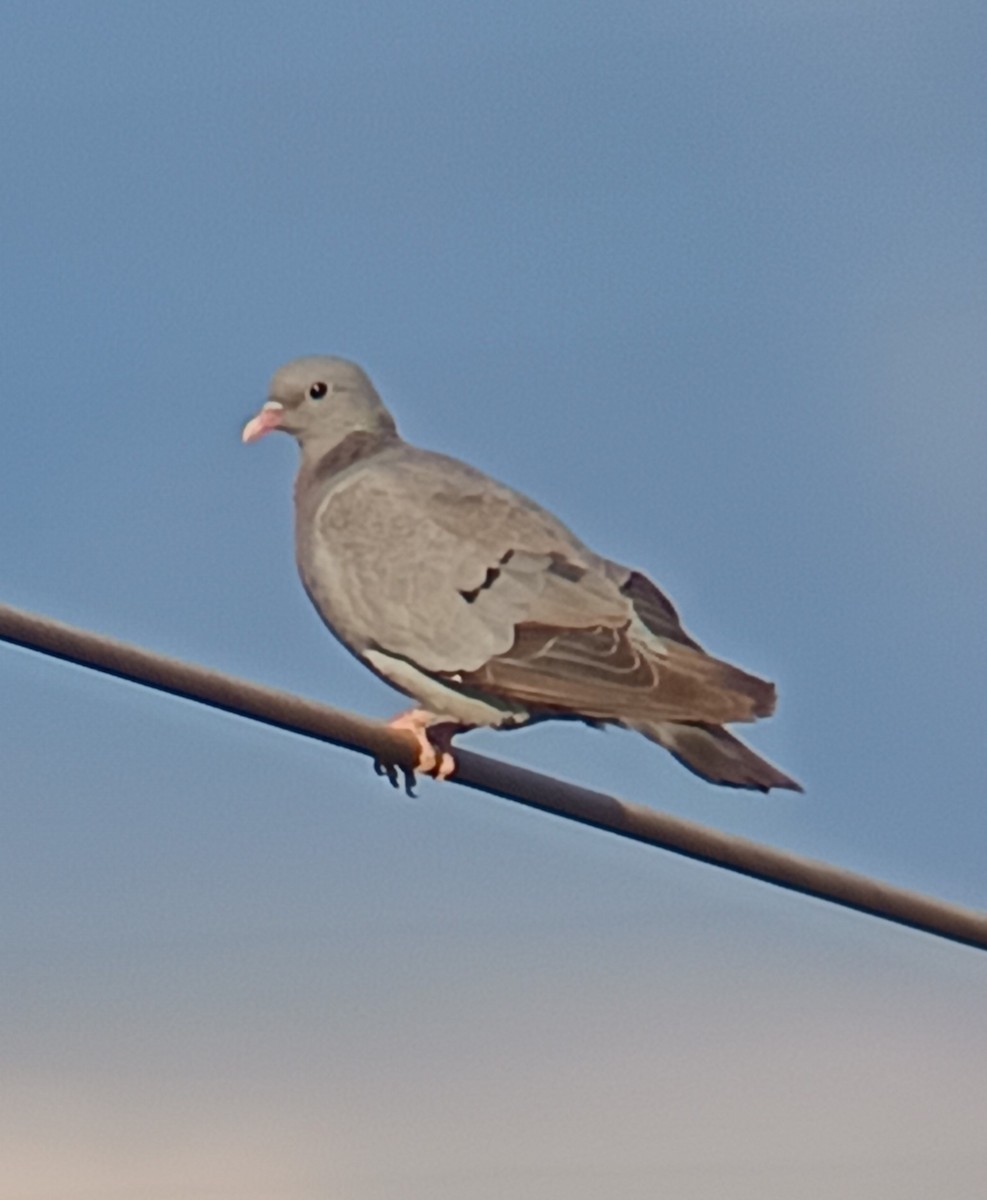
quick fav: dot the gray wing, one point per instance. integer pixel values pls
(426, 560)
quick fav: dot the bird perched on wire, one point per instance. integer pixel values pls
(481, 605)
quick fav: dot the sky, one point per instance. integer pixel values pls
(709, 281)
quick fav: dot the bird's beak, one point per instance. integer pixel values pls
(269, 417)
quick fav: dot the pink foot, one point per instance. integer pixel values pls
(434, 752)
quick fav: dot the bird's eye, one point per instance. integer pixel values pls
(318, 390)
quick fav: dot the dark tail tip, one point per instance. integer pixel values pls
(715, 755)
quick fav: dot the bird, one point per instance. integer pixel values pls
(481, 605)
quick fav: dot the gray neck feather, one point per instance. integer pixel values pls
(320, 463)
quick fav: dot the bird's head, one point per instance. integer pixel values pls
(320, 400)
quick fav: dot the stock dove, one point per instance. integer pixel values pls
(481, 605)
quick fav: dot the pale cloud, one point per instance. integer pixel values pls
(538, 1072)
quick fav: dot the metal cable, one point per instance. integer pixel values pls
(642, 824)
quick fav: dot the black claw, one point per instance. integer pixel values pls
(390, 770)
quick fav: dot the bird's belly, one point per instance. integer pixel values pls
(442, 697)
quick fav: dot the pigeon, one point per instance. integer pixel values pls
(480, 604)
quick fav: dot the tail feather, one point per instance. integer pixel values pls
(716, 755)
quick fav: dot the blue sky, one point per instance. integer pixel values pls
(708, 280)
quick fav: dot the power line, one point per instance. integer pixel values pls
(352, 732)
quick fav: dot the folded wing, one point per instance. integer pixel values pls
(479, 587)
